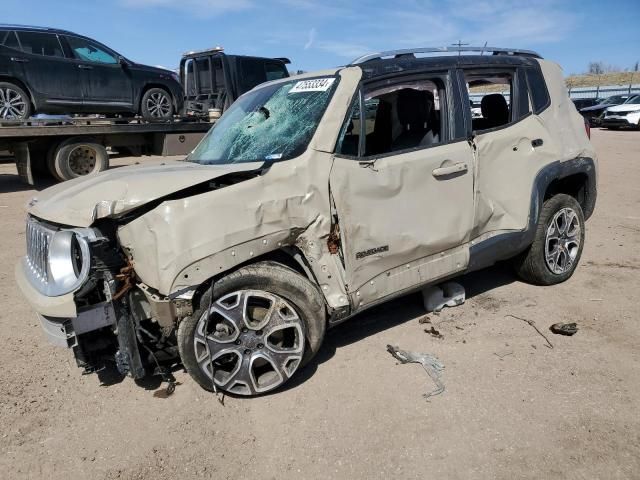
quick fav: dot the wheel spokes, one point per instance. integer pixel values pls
(254, 337)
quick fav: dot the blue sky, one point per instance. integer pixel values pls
(323, 33)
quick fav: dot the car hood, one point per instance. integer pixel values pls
(625, 107)
(595, 108)
(81, 201)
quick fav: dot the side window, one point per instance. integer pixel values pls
(396, 117)
(493, 98)
(537, 89)
(274, 71)
(89, 51)
(36, 43)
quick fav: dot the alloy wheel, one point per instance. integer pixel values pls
(249, 342)
(158, 105)
(13, 106)
(562, 241)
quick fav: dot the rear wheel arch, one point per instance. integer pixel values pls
(21, 84)
(575, 177)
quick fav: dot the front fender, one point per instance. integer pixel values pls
(184, 242)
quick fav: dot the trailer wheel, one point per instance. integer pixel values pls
(77, 157)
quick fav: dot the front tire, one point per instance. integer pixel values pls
(557, 246)
(266, 321)
(14, 102)
(156, 105)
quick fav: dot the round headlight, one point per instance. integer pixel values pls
(69, 261)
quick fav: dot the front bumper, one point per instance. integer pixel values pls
(63, 332)
(626, 121)
(62, 306)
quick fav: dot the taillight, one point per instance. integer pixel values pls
(587, 127)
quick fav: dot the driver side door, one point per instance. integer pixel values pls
(106, 83)
(402, 185)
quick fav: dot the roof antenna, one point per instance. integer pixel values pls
(483, 47)
(459, 45)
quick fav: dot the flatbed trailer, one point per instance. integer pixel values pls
(73, 146)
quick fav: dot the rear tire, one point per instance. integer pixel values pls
(156, 105)
(557, 246)
(76, 157)
(253, 358)
(15, 103)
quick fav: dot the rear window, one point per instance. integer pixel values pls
(537, 89)
(45, 44)
(9, 39)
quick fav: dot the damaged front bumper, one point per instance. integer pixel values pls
(110, 320)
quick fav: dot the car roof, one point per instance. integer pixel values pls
(32, 28)
(380, 66)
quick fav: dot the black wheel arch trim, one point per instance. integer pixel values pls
(506, 245)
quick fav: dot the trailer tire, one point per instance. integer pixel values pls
(77, 157)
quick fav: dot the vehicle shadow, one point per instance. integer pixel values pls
(365, 324)
(394, 313)
(10, 183)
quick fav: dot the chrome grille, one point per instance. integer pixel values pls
(38, 240)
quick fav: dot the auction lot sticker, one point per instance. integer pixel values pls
(314, 85)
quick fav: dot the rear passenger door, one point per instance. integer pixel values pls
(512, 146)
(105, 82)
(53, 78)
(402, 184)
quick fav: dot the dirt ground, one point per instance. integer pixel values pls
(513, 408)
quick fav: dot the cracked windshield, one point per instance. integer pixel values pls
(271, 123)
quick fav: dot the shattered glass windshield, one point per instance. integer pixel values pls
(272, 123)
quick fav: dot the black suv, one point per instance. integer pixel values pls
(43, 70)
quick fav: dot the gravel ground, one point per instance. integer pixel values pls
(513, 408)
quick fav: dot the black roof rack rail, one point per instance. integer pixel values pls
(284, 60)
(11, 26)
(412, 51)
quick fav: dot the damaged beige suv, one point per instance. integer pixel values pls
(313, 198)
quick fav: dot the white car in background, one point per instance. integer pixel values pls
(625, 115)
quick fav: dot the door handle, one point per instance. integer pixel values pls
(19, 60)
(85, 67)
(450, 170)
(537, 142)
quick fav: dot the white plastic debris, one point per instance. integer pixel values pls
(449, 294)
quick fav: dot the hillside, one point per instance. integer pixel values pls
(614, 78)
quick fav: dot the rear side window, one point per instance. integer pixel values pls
(537, 89)
(45, 44)
(12, 41)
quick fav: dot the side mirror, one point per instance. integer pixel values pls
(123, 61)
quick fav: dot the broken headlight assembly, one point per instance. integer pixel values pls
(58, 260)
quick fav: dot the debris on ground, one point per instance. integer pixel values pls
(567, 329)
(433, 332)
(448, 294)
(533, 324)
(424, 320)
(431, 364)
